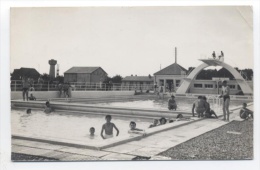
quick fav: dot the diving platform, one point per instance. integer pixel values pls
(214, 62)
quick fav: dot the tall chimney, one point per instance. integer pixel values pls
(176, 55)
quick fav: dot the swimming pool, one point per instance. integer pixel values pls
(66, 126)
(70, 123)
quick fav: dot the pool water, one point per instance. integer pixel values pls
(182, 104)
(73, 127)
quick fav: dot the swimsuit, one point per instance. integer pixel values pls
(108, 136)
(226, 92)
(226, 97)
(25, 89)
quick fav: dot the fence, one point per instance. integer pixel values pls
(16, 85)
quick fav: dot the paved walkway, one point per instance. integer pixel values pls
(146, 147)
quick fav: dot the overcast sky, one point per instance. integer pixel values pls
(129, 40)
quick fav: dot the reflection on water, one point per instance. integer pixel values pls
(74, 127)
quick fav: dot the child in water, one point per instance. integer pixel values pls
(108, 128)
(162, 121)
(155, 123)
(47, 108)
(172, 103)
(133, 129)
(31, 97)
(92, 133)
(29, 111)
(245, 113)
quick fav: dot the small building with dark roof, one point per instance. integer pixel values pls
(170, 77)
(18, 74)
(85, 74)
(138, 82)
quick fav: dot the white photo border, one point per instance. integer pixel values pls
(5, 123)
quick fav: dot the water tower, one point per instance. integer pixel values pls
(52, 68)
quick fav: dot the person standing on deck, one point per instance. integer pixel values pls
(214, 55)
(25, 87)
(226, 100)
(155, 88)
(170, 87)
(40, 82)
(161, 90)
(66, 89)
(222, 54)
(69, 90)
(60, 88)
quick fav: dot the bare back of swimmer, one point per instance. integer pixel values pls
(199, 107)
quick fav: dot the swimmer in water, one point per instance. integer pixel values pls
(172, 103)
(108, 128)
(162, 121)
(133, 129)
(47, 108)
(155, 123)
(29, 111)
(92, 133)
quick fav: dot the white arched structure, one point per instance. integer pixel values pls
(212, 62)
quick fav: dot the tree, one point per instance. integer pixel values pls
(247, 74)
(190, 69)
(225, 73)
(207, 74)
(45, 77)
(107, 80)
(114, 79)
(59, 79)
(117, 79)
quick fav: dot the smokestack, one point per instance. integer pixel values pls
(176, 55)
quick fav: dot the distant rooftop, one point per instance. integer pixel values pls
(174, 69)
(138, 78)
(28, 72)
(82, 70)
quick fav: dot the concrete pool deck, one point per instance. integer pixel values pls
(149, 146)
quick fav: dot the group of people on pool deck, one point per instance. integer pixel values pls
(202, 107)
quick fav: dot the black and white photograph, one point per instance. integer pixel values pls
(132, 83)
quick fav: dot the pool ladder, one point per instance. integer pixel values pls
(215, 100)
